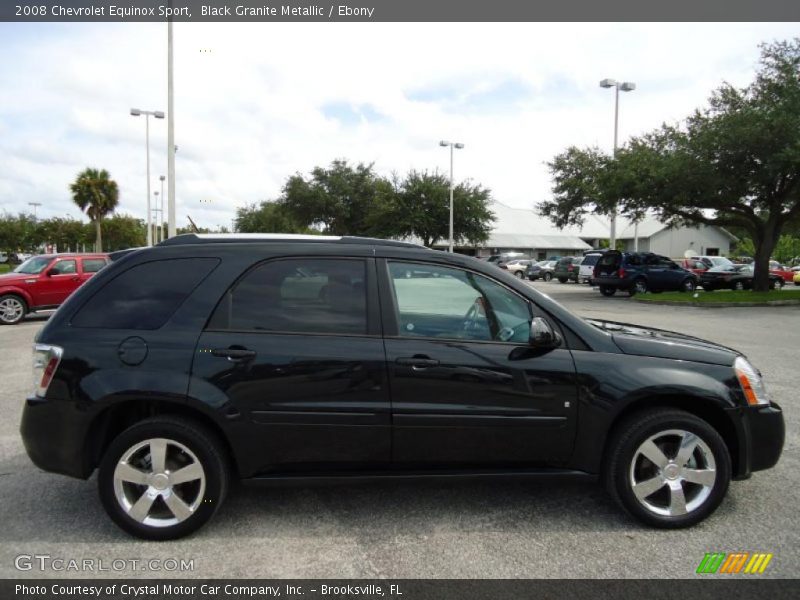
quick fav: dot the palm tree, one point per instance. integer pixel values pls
(97, 196)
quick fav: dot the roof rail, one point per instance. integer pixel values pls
(238, 238)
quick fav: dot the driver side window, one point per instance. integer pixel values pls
(441, 302)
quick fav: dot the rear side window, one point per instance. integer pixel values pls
(145, 296)
(308, 295)
(590, 260)
(93, 265)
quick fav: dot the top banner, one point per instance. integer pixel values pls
(398, 10)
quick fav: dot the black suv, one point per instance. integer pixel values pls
(279, 359)
(640, 272)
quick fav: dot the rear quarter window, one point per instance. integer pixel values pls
(145, 296)
(591, 259)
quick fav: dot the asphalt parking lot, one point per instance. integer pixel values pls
(410, 530)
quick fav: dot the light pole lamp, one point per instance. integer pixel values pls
(625, 86)
(459, 146)
(137, 112)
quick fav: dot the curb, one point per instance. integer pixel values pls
(792, 302)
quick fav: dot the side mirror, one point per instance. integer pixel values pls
(51, 272)
(542, 334)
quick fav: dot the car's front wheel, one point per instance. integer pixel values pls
(12, 309)
(519, 274)
(548, 276)
(777, 284)
(163, 478)
(667, 467)
(688, 285)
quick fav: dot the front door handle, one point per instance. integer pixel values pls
(234, 354)
(417, 362)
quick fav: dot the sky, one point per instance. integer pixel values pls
(258, 102)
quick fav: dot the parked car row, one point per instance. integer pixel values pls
(44, 282)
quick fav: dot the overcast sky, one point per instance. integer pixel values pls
(258, 102)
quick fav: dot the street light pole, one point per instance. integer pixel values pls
(452, 145)
(161, 223)
(34, 205)
(625, 86)
(170, 134)
(136, 112)
(156, 227)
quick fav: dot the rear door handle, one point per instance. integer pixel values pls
(417, 362)
(234, 354)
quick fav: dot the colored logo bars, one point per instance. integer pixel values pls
(734, 562)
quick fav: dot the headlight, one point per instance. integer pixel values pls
(752, 385)
(45, 362)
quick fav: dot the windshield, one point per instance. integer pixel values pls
(33, 266)
(720, 261)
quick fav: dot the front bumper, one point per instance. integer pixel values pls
(54, 435)
(761, 436)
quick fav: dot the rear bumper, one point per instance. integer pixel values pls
(762, 435)
(53, 433)
(616, 282)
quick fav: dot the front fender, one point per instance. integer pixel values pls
(17, 291)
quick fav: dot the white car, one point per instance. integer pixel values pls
(586, 271)
(517, 267)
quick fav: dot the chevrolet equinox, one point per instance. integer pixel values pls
(272, 358)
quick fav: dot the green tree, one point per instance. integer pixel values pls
(267, 217)
(735, 163)
(97, 195)
(420, 207)
(65, 233)
(124, 231)
(18, 233)
(336, 200)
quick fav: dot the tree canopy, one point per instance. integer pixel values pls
(353, 200)
(734, 163)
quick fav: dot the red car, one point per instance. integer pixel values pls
(786, 273)
(44, 282)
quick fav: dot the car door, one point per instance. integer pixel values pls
(58, 281)
(294, 348)
(467, 388)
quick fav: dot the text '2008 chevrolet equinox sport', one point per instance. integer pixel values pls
(271, 358)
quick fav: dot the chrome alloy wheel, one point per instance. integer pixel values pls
(11, 310)
(159, 482)
(673, 473)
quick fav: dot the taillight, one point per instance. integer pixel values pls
(621, 272)
(46, 359)
(569, 267)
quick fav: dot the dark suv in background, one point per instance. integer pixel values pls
(311, 358)
(640, 272)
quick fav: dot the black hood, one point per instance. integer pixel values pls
(646, 341)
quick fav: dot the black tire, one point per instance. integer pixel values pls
(738, 286)
(9, 302)
(548, 276)
(562, 280)
(608, 290)
(519, 274)
(639, 286)
(205, 447)
(776, 284)
(688, 285)
(623, 449)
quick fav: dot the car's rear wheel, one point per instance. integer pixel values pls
(639, 286)
(668, 468)
(548, 276)
(562, 280)
(163, 478)
(519, 274)
(688, 285)
(12, 309)
(739, 285)
(777, 284)
(608, 290)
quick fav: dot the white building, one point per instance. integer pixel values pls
(523, 230)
